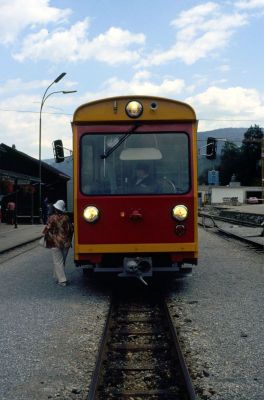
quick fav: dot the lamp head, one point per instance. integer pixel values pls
(60, 77)
(69, 91)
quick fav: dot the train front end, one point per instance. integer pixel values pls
(135, 186)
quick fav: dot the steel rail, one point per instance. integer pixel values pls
(184, 368)
(242, 238)
(100, 356)
(245, 239)
(109, 350)
(231, 220)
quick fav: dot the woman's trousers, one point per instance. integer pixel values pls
(59, 258)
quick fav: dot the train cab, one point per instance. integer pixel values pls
(135, 186)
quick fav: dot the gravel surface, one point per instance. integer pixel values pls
(218, 312)
(48, 334)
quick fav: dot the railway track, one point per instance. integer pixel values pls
(254, 238)
(140, 356)
(237, 220)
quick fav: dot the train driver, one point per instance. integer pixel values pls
(143, 182)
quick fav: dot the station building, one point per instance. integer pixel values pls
(230, 195)
(19, 183)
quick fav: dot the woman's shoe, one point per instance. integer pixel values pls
(62, 283)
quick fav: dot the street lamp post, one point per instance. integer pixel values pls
(44, 98)
(262, 170)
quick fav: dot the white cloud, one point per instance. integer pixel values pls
(57, 46)
(73, 45)
(200, 31)
(22, 128)
(196, 15)
(141, 75)
(14, 85)
(18, 86)
(140, 83)
(16, 15)
(19, 128)
(112, 46)
(250, 4)
(224, 68)
(230, 107)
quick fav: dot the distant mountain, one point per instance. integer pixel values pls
(235, 135)
(226, 133)
(65, 166)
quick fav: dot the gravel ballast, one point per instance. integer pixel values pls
(218, 312)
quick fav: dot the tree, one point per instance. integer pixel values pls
(250, 165)
(244, 162)
(230, 160)
(203, 177)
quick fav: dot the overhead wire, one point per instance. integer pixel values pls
(199, 119)
(35, 112)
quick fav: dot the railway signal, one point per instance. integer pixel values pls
(211, 148)
(58, 151)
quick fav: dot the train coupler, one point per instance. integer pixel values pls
(137, 267)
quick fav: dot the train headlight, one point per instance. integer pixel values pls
(91, 214)
(180, 212)
(134, 109)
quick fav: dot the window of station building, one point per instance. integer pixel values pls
(6, 185)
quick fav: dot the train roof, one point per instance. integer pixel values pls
(113, 108)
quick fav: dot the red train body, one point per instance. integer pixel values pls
(128, 228)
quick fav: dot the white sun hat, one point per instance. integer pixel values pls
(60, 205)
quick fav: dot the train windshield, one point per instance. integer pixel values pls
(141, 163)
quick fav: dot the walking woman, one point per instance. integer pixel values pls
(58, 235)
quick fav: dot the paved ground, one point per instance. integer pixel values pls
(48, 334)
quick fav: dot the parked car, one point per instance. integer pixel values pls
(252, 200)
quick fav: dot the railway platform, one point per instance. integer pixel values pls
(245, 208)
(11, 237)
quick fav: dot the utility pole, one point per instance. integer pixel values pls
(262, 168)
(44, 98)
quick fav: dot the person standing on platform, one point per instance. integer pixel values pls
(45, 210)
(11, 210)
(58, 235)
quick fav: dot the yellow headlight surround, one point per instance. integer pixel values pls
(91, 214)
(180, 212)
(134, 109)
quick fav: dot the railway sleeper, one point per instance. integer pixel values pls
(138, 347)
(166, 394)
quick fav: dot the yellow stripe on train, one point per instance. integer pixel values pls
(136, 248)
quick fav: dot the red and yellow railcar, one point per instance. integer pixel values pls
(135, 185)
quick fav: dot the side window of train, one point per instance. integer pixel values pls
(87, 167)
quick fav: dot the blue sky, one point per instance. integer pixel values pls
(207, 53)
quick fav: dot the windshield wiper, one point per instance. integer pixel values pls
(121, 140)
